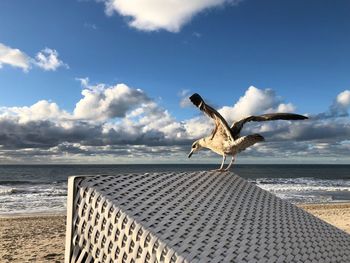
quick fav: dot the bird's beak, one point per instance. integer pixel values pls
(190, 154)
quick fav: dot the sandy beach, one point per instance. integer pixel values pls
(335, 214)
(41, 238)
(32, 239)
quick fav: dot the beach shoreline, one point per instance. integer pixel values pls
(40, 237)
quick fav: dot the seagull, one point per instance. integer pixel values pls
(225, 140)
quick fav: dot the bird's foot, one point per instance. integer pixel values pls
(219, 170)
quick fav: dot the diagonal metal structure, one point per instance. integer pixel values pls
(191, 217)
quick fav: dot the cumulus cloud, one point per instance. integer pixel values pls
(101, 103)
(284, 107)
(290, 151)
(312, 130)
(41, 134)
(341, 104)
(124, 122)
(138, 114)
(47, 59)
(14, 57)
(42, 110)
(170, 15)
(255, 101)
(106, 115)
(198, 127)
(339, 107)
(343, 99)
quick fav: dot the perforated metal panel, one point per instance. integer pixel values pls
(192, 217)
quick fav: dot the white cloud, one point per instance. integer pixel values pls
(198, 127)
(343, 98)
(101, 103)
(339, 108)
(184, 98)
(171, 15)
(285, 107)
(42, 110)
(122, 121)
(14, 57)
(47, 59)
(156, 118)
(84, 82)
(255, 101)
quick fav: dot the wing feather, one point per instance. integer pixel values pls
(237, 126)
(221, 125)
(246, 141)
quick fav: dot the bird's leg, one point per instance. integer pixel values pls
(222, 164)
(231, 162)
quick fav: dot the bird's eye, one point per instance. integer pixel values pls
(193, 146)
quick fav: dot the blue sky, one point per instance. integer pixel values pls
(298, 49)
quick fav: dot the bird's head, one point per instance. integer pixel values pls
(197, 145)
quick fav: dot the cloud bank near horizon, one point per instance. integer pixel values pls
(121, 123)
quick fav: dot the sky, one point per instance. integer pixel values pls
(108, 81)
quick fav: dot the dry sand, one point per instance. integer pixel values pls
(42, 238)
(335, 214)
(32, 239)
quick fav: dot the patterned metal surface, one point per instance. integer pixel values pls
(192, 217)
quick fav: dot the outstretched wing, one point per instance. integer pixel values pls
(221, 126)
(244, 142)
(237, 126)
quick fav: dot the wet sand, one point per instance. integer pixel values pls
(41, 238)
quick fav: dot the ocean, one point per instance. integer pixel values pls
(43, 188)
